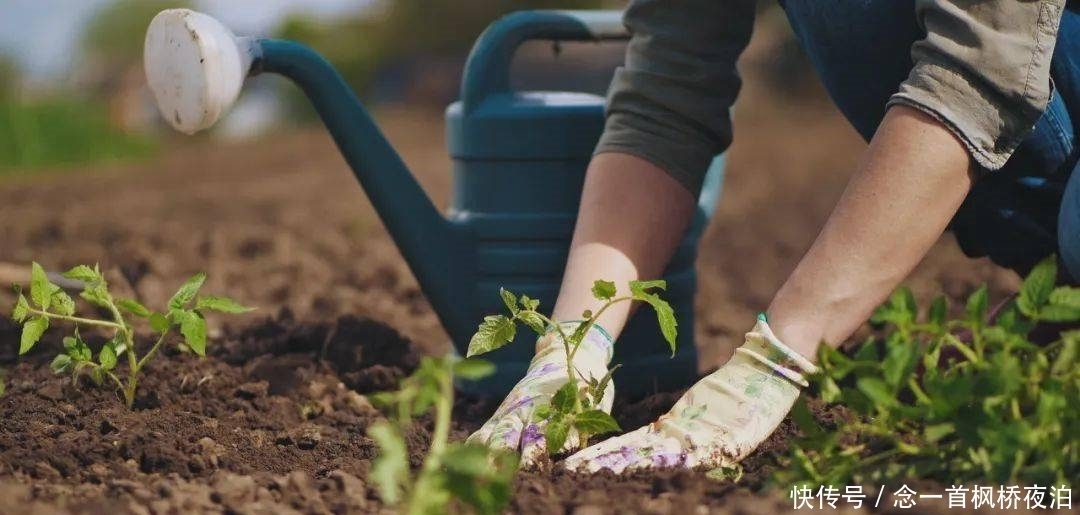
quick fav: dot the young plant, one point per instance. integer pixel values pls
(952, 401)
(49, 304)
(574, 405)
(470, 473)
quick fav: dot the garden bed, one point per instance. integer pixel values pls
(265, 424)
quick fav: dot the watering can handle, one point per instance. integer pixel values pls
(487, 71)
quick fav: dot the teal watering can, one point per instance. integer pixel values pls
(519, 161)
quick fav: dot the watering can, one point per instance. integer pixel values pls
(519, 161)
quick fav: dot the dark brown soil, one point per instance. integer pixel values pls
(274, 421)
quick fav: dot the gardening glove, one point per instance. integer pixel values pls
(512, 426)
(720, 420)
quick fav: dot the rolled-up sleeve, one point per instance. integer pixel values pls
(983, 70)
(669, 104)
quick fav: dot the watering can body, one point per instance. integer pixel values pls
(519, 161)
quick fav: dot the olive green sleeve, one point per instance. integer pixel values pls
(983, 71)
(669, 103)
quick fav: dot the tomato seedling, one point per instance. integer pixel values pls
(471, 473)
(48, 304)
(574, 405)
(951, 400)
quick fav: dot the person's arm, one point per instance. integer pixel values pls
(910, 182)
(667, 118)
(980, 80)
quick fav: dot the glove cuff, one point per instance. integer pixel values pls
(763, 346)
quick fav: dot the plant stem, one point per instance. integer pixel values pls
(592, 321)
(433, 462)
(153, 350)
(77, 320)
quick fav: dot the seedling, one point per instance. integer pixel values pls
(470, 473)
(574, 405)
(952, 400)
(48, 304)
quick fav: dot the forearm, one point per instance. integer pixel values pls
(632, 217)
(910, 182)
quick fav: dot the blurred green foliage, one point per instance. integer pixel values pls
(72, 126)
(9, 77)
(400, 30)
(58, 132)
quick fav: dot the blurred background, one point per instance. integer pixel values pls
(265, 204)
(72, 90)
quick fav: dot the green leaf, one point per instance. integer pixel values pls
(193, 327)
(555, 434)
(134, 307)
(1058, 313)
(603, 290)
(877, 391)
(62, 303)
(1066, 296)
(939, 310)
(479, 477)
(188, 291)
(97, 295)
(83, 273)
(900, 360)
(541, 413)
(472, 368)
(1070, 351)
(665, 316)
(529, 303)
(97, 374)
(40, 291)
(221, 305)
(390, 470)
(638, 289)
(509, 299)
(22, 309)
(804, 419)
(563, 400)
(77, 349)
(1037, 287)
(596, 390)
(595, 422)
(936, 432)
(467, 460)
(61, 364)
(534, 320)
(107, 356)
(159, 323)
(31, 333)
(977, 304)
(494, 332)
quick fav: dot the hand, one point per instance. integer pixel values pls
(720, 420)
(512, 426)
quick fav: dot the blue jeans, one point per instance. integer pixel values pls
(1016, 216)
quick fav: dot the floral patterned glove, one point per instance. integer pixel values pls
(720, 420)
(512, 426)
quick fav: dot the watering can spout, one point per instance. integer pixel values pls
(195, 67)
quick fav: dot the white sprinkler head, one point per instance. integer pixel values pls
(195, 67)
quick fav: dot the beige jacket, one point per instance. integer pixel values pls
(983, 70)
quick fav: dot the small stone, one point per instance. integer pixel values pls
(52, 391)
(309, 439)
(107, 427)
(283, 439)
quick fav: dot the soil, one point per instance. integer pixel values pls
(274, 420)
